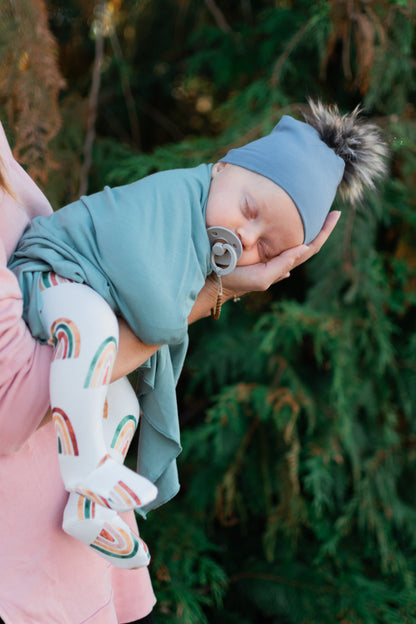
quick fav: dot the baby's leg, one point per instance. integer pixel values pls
(103, 529)
(105, 532)
(84, 332)
(120, 418)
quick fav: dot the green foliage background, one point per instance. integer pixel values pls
(298, 474)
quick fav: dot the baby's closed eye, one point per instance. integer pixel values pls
(265, 251)
(250, 210)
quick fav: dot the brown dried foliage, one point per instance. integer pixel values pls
(358, 22)
(30, 81)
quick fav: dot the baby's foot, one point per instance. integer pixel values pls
(115, 486)
(105, 532)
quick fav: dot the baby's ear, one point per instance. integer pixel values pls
(217, 168)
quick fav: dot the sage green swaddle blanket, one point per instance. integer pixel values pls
(144, 248)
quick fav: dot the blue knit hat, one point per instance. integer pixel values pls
(294, 156)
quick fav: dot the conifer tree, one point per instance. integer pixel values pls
(298, 406)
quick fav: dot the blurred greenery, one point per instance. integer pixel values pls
(298, 499)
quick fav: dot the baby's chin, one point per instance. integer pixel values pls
(247, 261)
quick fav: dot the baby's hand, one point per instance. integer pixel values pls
(259, 277)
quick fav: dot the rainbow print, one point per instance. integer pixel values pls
(49, 279)
(120, 497)
(103, 460)
(85, 509)
(67, 442)
(94, 498)
(123, 497)
(65, 339)
(123, 434)
(116, 542)
(102, 364)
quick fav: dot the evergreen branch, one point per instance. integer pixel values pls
(125, 85)
(293, 42)
(218, 16)
(98, 26)
(226, 490)
(281, 580)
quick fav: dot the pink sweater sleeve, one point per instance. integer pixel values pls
(24, 363)
(24, 368)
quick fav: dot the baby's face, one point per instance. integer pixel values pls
(259, 211)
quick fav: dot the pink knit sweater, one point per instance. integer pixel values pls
(46, 577)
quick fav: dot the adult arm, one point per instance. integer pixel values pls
(24, 363)
(24, 368)
(132, 352)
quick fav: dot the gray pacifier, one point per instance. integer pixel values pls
(226, 250)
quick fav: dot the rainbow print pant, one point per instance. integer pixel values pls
(93, 424)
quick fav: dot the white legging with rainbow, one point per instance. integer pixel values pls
(94, 421)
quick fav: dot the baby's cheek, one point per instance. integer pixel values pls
(249, 257)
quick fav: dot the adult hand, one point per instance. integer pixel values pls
(259, 277)
(132, 352)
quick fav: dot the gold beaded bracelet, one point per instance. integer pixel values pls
(216, 312)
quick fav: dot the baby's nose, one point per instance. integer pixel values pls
(248, 236)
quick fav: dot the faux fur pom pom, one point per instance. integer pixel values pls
(358, 142)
